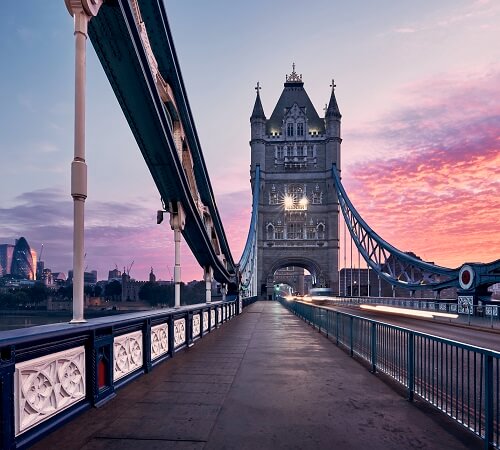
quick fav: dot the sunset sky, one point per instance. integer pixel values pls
(418, 85)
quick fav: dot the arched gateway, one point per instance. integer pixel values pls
(298, 208)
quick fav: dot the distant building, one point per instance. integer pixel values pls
(114, 274)
(293, 276)
(354, 282)
(88, 277)
(40, 267)
(23, 260)
(6, 252)
(131, 288)
(59, 278)
(152, 276)
(47, 277)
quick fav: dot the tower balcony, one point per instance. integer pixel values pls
(295, 243)
(295, 162)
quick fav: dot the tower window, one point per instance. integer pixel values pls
(270, 231)
(295, 231)
(321, 231)
(279, 152)
(289, 129)
(317, 198)
(300, 129)
(273, 198)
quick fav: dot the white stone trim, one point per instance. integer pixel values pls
(159, 340)
(127, 354)
(196, 325)
(179, 332)
(47, 385)
(205, 320)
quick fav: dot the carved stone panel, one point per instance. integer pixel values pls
(179, 332)
(219, 315)
(205, 320)
(212, 318)
(47, 385)
(127, 354)
(159, 340)
(241, 305)
(224, 309)
(196, 325)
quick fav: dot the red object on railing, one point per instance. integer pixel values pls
(101, 374)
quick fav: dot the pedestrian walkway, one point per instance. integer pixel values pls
(265, 380)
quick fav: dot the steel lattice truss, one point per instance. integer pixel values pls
(248, 262)
(396, 267)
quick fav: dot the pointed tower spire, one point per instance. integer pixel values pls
(258, 110)
(333, 108)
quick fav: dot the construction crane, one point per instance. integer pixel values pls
(130, 267)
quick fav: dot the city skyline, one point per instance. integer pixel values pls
(418, 89)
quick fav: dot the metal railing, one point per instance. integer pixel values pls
(484, 315)
(459, 379)
(51, 373)
(247, 301)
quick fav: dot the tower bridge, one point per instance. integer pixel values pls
(298, 207)
(51, 375)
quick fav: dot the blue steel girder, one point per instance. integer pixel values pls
(248, 262)
(483, 276)
(117, 42)
(161, 40)
(396, 267)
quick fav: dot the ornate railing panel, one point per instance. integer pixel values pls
(81, 366)
(159, 340)
(128, 352)
(205, 320)
(47, 385)
(196, 325)
(179, 332)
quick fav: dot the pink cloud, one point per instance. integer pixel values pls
(435, 189)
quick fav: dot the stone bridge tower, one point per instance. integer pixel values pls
(298, 211)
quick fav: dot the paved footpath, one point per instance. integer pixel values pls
(265, 380)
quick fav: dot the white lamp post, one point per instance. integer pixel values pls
(82, 11)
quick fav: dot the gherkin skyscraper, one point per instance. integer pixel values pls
(23, 265)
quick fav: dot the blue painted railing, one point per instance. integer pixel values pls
(51, 373)
(483, 315)
(249, 300)
(459, 379)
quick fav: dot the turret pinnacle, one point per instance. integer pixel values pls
(333, 108)
(258, 110)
